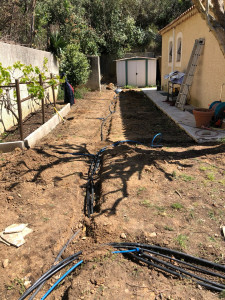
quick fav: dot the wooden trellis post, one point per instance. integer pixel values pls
(20, 114)
(53, 92)
(42, 101)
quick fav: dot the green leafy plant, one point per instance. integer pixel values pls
(75, 65)
(174, 174)
(212, 239)
(57, 44)
(17, 282)
(211, 176)
(146, 203)
(192, 215)
(181, 239)
(211, 215)
(222, 295)
(168, 228)
(177, 206)
(186, 177)
(129, 87)
(80, 92)
(27, 74)
(140, 190)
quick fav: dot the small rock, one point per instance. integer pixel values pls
(92, 291)
(223, 230)
(27, 283)
(153, 234)
(110, 86)
(19, 195)
(5, 263)
(17, 150)
(200, 287)
(100, 280)
(84, 238)
(152, 296)
(80, 225)
(10, 198)
(216, 235)
(123, 236)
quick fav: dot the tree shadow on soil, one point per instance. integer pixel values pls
(50, 157)
(136, 159)
(142, 120)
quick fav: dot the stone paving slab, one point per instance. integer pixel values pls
(184, 119)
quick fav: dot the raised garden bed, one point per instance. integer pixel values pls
(33, 128)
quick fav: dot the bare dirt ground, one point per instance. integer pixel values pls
(171, 196)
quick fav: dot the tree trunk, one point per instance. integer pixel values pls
(216, 23)
(32, 32)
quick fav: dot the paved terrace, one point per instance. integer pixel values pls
(184, 119)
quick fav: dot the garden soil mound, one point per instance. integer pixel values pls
(171, 196)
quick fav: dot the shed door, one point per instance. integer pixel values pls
(136, 72)
(152, 72)
(121, 74)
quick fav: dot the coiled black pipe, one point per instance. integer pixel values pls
(167, 264)
(53, 270)
(173, 269)
(172, 252)
(56, 260)
(209, 285)
(94, 166)
(95, 163)
(187, 264)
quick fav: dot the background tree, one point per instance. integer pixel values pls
(74, 65)
(98, 26)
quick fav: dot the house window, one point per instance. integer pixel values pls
(179, 49)
(170, 51)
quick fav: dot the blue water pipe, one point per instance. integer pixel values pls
(60, 279)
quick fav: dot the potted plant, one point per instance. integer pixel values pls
(203, 116)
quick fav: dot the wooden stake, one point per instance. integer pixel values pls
(42, 101)
(20, 114)
(53, 92)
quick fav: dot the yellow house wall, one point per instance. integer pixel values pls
(210, 72)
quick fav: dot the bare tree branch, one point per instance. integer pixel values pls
(215, 22)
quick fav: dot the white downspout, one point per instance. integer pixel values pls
(173, 50)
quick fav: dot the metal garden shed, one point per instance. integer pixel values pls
(136, 71)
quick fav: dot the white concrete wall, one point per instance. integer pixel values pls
(9, 54)
(94, 81)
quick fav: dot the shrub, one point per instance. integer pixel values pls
(75, 65)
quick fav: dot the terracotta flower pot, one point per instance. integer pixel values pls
(203, 116)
